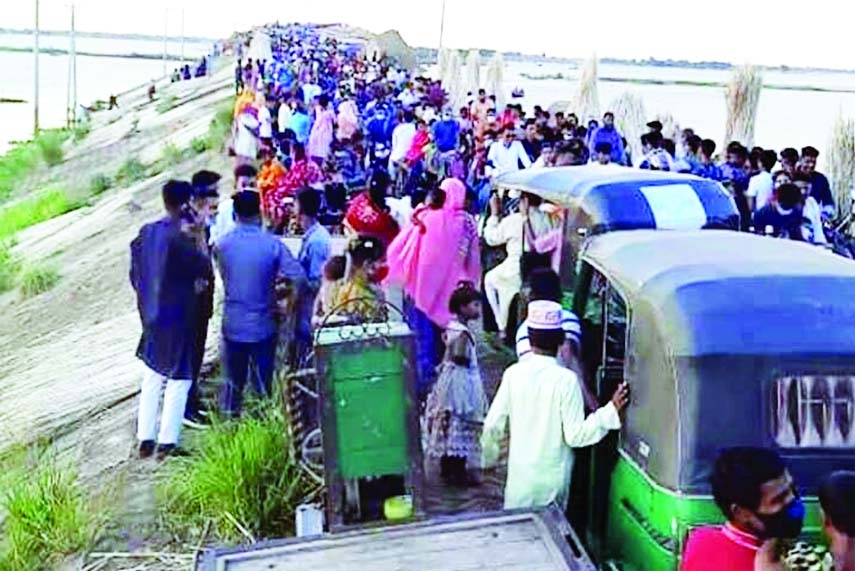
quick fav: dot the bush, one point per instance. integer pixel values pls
(49, 204)
(131, 171)
(99, 184)
(10, 266)
(172, 155)
(166, 104)
(242, 470)
(37, 279)
(81, 130)
(200, 145)
(47, 515)
(221, 125)
(15, 164)
(50, 144)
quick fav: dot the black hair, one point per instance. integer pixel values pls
(409, 116)
(608, 114)
(548, 341)
(768, 159)
(790, 154)
(324, 100)
(837, 498)
(655, 139)
(581, 131)
(789, 196)
(533, 199)
(247, 204)
(436, 198)
(377, 188)
(810, 152)
(464, 294)
(365, 249)
(670, 147)
(176, 193)
(299, 151)
(708, 147)
(738, 475)
(694, 143)
(309, 201)
(335, 267)
(545, 285)
(603, 147)
(204, 179)
(736, 148)
(248, 171)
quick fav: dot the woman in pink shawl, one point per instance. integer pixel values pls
(428, 259)
(348, 119)
(321, 136)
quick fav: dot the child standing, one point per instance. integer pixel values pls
(456, 406)
(333, 276)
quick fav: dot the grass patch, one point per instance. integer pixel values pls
(131, 171)
(10, 266)
(49, 144)
(36, 279)
(49, 204)
(242, 471)
(200, 144)
(24, 157)
(167, 103)
(171, 155)
(221, 125)
(99, 184)
(80, 132)
(48, 517)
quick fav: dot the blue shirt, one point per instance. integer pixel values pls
(820, 190)
(250, 260)
(711, 171)
(613, 138)
(314, 253)
(445, 133)
(301, 124)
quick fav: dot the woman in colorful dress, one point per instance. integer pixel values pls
(359, 298)
(368, 214)
(456, 406)
(302, 173)
(321, 136)
(348, 119)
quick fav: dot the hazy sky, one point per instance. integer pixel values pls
(763, 31)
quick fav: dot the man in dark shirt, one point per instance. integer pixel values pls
(532, 142)
(820, 189)
(251, 261)
(782, 218)
(169, 268)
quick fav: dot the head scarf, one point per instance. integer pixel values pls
(436, 253)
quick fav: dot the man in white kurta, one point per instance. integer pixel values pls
(543, 403)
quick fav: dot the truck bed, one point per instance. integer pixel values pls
(534, 541)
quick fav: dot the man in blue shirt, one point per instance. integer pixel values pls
(706, 167)
(820, 189)
(314, 253)
(251, 262)
(300, 123)
(446, 132)
(608, 134)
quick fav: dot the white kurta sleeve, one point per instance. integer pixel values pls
(580, 431)
(522, 156)
(493, 232)
(495, 425)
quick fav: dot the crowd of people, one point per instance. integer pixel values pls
(327, 140)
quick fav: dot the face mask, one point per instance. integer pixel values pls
(787, 523)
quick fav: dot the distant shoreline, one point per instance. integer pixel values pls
(12, 100)
(65, 52)
(107, 36)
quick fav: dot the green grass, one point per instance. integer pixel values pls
(221, 125)
(131, 171)
(48, 517)
(44, 206)
(50, 144)
(10, 266)
(24, 157)
(99, 184)
(36, 279)
(243, 471)
(167, 103)
(171, 155)
(200, 144)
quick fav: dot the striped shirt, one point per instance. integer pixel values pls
(569, 323)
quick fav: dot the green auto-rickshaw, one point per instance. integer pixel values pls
(726, 339)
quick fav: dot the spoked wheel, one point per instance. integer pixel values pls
(312, 455)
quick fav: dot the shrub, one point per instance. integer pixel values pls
(131, 171)
(15, 164)
(100, 184)
(81, 130)
(10, 266)
(221, 125)
(172, 155)
(166, 104)
(49, 204)
(49, 144)
(243, 471)
(200, 145)
(47, 515)
(36, 279)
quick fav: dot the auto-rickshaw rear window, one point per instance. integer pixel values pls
(813, 411)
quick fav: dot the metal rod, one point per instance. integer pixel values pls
(182, 35)
(165, 33)
(73, 69)
(442, 25)
(36, 86)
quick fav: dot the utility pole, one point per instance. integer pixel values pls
(73, 79)
(36, 86)
(182, 35)
(165, 34)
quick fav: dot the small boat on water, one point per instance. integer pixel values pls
(518, 92)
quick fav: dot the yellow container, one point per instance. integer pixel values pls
(398, 508)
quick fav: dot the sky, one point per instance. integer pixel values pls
(625, 29)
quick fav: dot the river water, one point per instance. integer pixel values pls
(785, 117)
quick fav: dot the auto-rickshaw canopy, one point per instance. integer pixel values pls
(733, 339)
(618, 198)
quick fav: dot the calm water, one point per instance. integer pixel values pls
(785, 118)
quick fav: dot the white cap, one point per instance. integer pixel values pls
(544, 315)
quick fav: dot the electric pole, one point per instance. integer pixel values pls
(36, 86)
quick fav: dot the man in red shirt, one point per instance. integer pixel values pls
(755, 492)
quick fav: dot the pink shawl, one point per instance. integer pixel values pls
(348, 120)
(438, 251)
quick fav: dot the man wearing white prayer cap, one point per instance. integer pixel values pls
(543, 403)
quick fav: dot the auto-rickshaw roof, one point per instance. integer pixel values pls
(723, 292)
